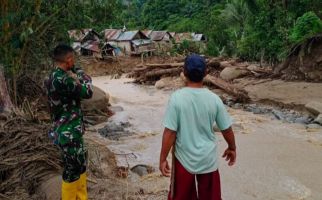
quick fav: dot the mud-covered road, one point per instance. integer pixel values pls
(276, 160)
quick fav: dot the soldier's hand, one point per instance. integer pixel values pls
(77, 69)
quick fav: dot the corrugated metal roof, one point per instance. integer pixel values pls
(198, 37)
(147, 32)
(91, 45)
(173, 34)
(130, 35)
(141, 42)
(76, 35)
(111, 34)
(79, 35)
(160, 35)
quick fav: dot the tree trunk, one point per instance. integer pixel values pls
(240, 94)
(5, 101)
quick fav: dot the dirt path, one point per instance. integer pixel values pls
(276, 160)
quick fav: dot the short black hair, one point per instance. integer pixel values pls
(195, 75)
(61, 51)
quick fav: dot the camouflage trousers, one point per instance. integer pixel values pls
(74, 156)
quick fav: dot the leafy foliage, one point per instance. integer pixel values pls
(252, 29)
(306, 26)
(31, 28)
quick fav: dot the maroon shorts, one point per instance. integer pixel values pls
(189, 186)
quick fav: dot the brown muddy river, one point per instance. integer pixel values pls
(276, 160)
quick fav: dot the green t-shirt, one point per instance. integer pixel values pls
(192, 113)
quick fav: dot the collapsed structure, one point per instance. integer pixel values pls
(116, 42)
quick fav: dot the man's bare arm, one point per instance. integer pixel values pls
(168, 140)
(230, 153)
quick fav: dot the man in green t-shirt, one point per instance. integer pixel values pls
(189, 120)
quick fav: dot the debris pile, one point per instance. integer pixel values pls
(220, 74)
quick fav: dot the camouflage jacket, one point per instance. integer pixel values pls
(64, 98)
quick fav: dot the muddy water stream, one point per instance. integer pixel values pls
(276, 160)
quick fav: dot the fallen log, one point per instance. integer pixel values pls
(214, 63)
(165, 65)
(240, 94)
(159, 73)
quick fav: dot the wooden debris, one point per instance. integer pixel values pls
(166, 65)
(159, 73)
(240, 94)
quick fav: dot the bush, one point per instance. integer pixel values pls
(185, 48)
(306, 26)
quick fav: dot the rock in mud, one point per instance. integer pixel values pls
(302, 120)
(231, 73)
(313, 126)
(142, 170)
(278, 114)
(314, 107)
(169, 82)
(114, 131)
(99, 101)
(115, 109)
(318, 119)
(253, 67)
(162, 83)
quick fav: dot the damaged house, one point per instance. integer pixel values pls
(110, 37)
(162, 40)
(85, 41)
(134, 43)
(199, 40)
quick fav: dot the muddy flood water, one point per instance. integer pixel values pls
(275, 160)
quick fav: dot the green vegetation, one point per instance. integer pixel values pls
(251, 29)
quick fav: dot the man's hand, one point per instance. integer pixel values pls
(165, 168)
(77, 69)
(168, 140)
(230, 156)
(230, 153)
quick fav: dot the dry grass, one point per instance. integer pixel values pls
(26, 156)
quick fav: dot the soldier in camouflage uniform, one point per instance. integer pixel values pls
(64, 96)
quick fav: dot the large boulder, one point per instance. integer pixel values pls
(253, 67)
(170, 82)
(162, 83)
(318, 119)
(231, 73)
(314, 107)
(99, 101)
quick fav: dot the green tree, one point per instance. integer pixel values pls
(306, 26)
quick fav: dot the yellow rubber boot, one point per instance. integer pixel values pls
(69, 190)
(82, 187)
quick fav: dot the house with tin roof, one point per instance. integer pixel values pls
(162, 40)
(134, 43)
(84, 41)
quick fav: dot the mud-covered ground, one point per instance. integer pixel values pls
(276, 159)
